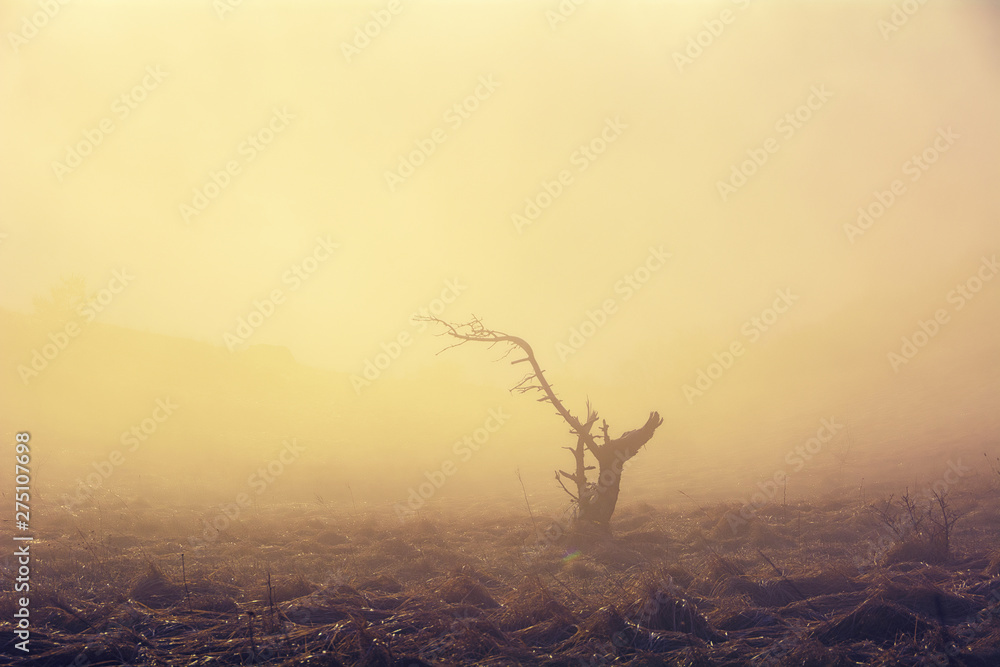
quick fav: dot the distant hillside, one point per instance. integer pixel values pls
(230, 405)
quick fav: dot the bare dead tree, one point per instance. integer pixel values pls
(945, 526)
(596, 499)
(915, 520)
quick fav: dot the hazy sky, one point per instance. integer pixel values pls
(497, 102)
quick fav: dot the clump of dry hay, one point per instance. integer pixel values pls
(653, 544)
(470, 637)
(609, 634)
(666, 641)
(993, 567)
(215, 603)
(827, 582)
(987, 647)
(822, 607)
(153, 589)
(310, 611)
(874, 620)
(324, 606)
(545, 633)
(533, 604)
(716, 569)
(599, 638)
(744, 619)
(602, 625)
(397, 547)
(290, 587)
(581, 569)
(989, 589)
(679, 574)
(798, 651)
(917, 550)
(929, 600)
(463, 588)
(769, 593)
(660, 606)
(381, 583)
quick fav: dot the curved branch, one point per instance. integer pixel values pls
(480, 334)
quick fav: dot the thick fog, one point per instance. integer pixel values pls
(773, 223)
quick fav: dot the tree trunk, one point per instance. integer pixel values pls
(597, 503)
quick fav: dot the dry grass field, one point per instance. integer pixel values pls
(831, 581)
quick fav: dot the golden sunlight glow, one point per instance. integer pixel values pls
(220, 218)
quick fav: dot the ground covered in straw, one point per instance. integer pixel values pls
(828, 582)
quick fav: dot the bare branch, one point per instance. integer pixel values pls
(568, 492)
(474, 330)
